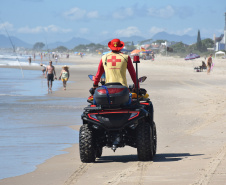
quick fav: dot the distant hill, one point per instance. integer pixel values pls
(5, 42)
(186, 39)
(134, 39)
(69, 44)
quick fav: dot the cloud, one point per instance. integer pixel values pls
(41, 29)
(165, 12)
(127, 32)
(104, 33)
(123, 13)
(84, 30)
(184, 12)
(6, 25)
(93, 14)
(78, 14)
(155, 30)
(182, 32)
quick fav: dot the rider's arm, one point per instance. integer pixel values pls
(99, 73)
(132, 71)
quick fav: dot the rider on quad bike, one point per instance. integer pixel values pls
(115, 117)
(114, 65)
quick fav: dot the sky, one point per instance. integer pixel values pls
(60, 20)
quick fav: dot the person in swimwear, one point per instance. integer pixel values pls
(50, 73)
(209, 63)
(64, 75)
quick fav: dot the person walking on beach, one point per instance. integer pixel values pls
(50, 70)
(64, 75)
(209, 63)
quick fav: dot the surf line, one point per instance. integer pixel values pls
(14, 50)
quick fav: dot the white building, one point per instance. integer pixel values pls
(221, 41)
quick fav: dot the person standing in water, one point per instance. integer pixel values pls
(29, 60)
(64, 75)
(50, 70)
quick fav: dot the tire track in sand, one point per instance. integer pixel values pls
(78, 173)
(218, 102)
(212, 167)
(139, 167)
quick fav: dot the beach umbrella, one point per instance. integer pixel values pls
(126, 50)
(147, 51)
(136, 51)
(192, 56)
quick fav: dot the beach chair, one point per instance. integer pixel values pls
(201, 68)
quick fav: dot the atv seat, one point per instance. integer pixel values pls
(113, 83)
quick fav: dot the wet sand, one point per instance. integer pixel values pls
(190, 117)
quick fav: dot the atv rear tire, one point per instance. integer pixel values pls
(99, 151)
(154, 138)
(86, 144)
(144, 142)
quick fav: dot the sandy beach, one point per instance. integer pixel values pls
(190, 117)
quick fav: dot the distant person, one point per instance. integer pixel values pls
(209, 63)
(44, 68)
(29, 60)
(64, 75)
(56, 58)
(50, 70)
(34, 56)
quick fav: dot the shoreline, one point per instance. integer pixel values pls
(69, 93)
(177, 93)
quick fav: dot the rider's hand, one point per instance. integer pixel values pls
(135, 90)
(92, 90)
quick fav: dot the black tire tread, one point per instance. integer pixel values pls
(154, 139)
(144, 142)
(86, 144)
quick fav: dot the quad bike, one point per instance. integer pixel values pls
(116, 118)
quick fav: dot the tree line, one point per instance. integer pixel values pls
(179, 48)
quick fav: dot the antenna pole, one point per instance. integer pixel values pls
(136, 60)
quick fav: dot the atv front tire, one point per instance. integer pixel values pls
(86, 144)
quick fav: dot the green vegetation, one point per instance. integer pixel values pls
(38, 45)
(61, 49)
(200, 47)
(159, 41)
(90, 48)
(199, 42)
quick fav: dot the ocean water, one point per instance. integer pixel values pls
(33, 125)
(16, 60)
(22, 60)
